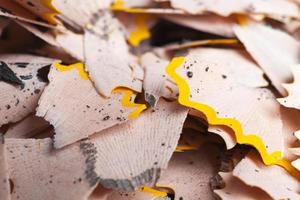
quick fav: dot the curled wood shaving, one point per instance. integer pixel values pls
(132, 160)
(293, 98)
(58, 106)
(273, 179)
(19, 101)
(269, 158)
(275, 60)
(189, 173)
(105, 72)
(235, 189)
(35, 164)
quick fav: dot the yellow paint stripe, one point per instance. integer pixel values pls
(183, 148)
(142, 32)
(152, 191)
(50, 16)
(242, 19)
(48, 4)
(79, 66)
(130, 10)
(202, 43)
(128, 102)
(169, 189)
(212, 118)
(119, 6)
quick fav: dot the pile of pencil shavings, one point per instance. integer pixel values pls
(149, 99)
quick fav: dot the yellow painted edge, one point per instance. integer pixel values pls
(129, 10)
(152, 191)
(79, 66)
(142, 31)
(128, 93)
(127, 102)
(212, 118)
(49, 5)
(118, 5)
(203, 42)
(167, 187)
(222, 41)
(183, 148)
(289, 167)
(50, 17)
(242, 19)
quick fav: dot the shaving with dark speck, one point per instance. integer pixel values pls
(8, 76)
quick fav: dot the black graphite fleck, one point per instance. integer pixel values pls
(26, 77)
(150, 99)
(171, 196)
(8, 76)
(189, 74)
(4, 10)
(106, 118)
(36, 91)
(17, 102)
(30, 4)
(21, 64)
(43, 72)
